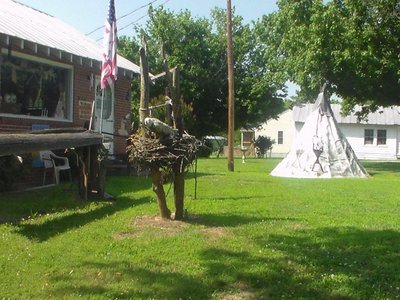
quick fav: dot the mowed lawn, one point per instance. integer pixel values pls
(248, 235)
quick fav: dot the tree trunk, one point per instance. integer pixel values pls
(158, 188)
(179, 194)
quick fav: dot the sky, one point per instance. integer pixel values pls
(87, 15)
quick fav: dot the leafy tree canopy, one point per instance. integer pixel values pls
(198, 47)
(352, 44)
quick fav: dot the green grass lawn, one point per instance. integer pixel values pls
(248, 236)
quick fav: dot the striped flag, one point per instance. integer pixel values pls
(109, 68)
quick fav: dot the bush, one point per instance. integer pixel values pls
(205, 149)
(264, 143)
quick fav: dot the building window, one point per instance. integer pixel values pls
(280, 137)
(35, 87)
(368, 136)
(248, 136)
(381, 137)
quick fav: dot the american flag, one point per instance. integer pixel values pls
(109, 68)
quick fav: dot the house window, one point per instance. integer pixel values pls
(248, 136)
(35, 87)
(280, 137)
(368, 136)
(381, 137)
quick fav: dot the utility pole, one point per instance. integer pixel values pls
(231, 87)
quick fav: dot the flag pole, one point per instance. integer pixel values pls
(109, 67)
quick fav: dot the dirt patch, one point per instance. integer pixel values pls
(156, 226)
(216, 232)
(153, 225)
(241, 295)
(240, 291)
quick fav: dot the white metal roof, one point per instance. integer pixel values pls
(24, 22)
(383, 116)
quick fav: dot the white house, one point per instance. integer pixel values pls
(376, 138)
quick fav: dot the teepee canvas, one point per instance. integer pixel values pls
(320, 150)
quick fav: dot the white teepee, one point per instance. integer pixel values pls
(320, 150)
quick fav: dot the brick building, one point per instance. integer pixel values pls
(50, 76)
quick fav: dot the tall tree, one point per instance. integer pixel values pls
(198, 47)
(352, 44)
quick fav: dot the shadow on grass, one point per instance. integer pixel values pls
(43, 231)
(340, 263)
(144, 283)
(192, 175)
(231, 220)
(16, 206)
(238, 198)
(117, 185)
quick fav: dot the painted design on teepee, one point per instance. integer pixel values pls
(320, 150)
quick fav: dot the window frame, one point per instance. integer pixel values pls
(280, 137)
(369, 139)
(69, 87)
(378, 138)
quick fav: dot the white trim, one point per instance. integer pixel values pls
(26, 117)
(37, 59)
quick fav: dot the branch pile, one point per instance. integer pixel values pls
(162, 153)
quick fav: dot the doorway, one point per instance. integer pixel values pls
(107, 126)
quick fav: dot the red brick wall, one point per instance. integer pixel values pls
(83, 94)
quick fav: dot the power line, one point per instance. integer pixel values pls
(128, 14)
(135, 21)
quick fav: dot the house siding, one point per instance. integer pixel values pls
(355, 136)
(270, 129)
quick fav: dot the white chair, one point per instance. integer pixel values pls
(55, 162)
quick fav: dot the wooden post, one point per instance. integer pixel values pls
(144, 82)
(97, 172)
(176, 101)
(231, 88)
(168, 109)
(156, 175)
(179, 176)
(82, 159)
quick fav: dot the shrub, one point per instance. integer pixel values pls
(205, 149)
(264, 143)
